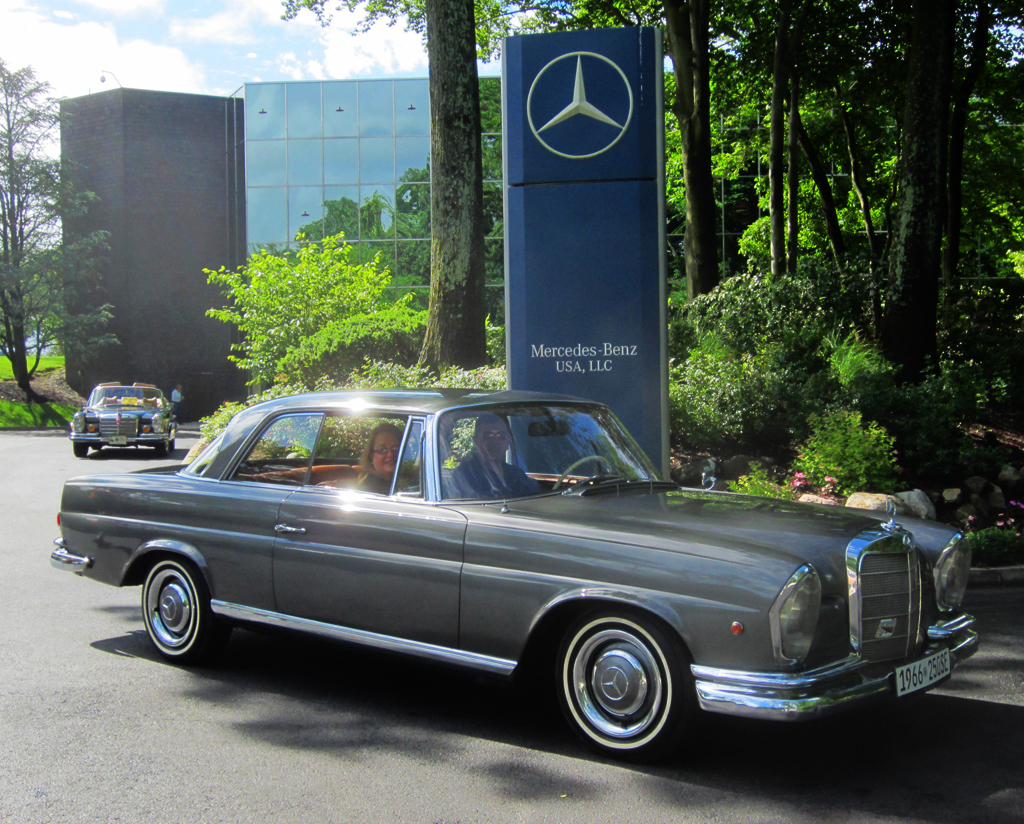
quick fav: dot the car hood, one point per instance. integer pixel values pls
(722, 525)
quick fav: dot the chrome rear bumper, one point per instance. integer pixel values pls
(60, 558)
(822, 691)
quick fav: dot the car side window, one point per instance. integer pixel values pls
(282, 454)
(357, 452)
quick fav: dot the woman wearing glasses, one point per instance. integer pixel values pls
(380, 458)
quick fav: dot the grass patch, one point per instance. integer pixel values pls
(24, 414)
(46, 364)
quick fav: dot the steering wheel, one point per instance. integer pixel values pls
(580, 462)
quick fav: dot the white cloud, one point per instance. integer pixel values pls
(65, 15)
(125, 6)
(383, 50)
(70, 57)
(243, 22)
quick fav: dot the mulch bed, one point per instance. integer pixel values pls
(50, 385)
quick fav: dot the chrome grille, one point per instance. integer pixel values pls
(119, 425)
(885, 597)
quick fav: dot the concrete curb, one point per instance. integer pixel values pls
(1012, 576)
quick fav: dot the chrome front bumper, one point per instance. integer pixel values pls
(822, 691)
(60, 558)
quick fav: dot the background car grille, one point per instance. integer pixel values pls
(128, 425)
(889, 591)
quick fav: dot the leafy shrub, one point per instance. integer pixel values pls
(717, 401)
(394, 333)
(842, 448)
(996, 546)
(759, 483)
(495, 344)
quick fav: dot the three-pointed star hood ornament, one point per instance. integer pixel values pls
(579, 104)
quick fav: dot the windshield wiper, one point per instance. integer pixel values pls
(600, 484)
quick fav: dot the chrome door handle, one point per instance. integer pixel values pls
(286, 528)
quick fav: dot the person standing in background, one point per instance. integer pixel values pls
(176, 399)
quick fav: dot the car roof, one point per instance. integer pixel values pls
(397, 401)
(405, 401)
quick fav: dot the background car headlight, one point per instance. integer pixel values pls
(159, 424)
(951, 573)
(78, 423)
(794, 616)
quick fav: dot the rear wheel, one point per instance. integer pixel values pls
(81, 450)
(624, 685)
(176, 610)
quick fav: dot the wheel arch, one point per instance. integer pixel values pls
(151, 552)
(558, 615)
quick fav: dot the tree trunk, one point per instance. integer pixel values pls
(828, 203)
(793, 176)
(687, 30)
(455, 326)
(957, 135)
(910, 324)
(777, 142)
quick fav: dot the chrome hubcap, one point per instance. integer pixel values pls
(175, 609)
(617, 683)
(170, 608)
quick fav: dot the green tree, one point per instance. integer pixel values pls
(43, 274)
(278, 302)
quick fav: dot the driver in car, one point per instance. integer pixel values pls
(484, 472)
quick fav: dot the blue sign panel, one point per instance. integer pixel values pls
(584, 222)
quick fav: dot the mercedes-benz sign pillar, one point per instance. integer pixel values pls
(583, 141)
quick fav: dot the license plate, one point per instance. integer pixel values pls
(923, 673)
(118, 440)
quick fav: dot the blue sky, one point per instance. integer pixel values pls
(210, 47)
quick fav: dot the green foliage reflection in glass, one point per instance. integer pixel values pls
(344, 438)
(289, 438)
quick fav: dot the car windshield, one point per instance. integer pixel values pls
(126, 396)
(519, 450)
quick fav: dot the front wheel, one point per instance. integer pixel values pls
(81, 450)
(624, 685)
(177, 613)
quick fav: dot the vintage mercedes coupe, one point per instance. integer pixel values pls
(120, 415)
(515, 531)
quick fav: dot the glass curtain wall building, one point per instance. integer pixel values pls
(353, 157)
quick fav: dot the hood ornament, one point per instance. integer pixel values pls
(707, 478)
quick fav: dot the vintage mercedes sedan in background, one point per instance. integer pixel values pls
(504, 531)
(116, 415)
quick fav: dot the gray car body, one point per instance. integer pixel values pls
(479, 583)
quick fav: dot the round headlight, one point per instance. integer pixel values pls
(794, 615)
(951, 573)
(159, 424)
(78, 422)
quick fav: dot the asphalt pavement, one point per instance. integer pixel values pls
(95, 727)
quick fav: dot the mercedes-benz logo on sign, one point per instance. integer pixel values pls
(609, 95)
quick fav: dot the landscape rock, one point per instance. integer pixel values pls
(980, 505)
(735, 467)
(1009, 476)
(965, 513)
(877, 502)
(952, 496)
(976, 484)
(919, 503)
(808, 498)
(995, 498)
